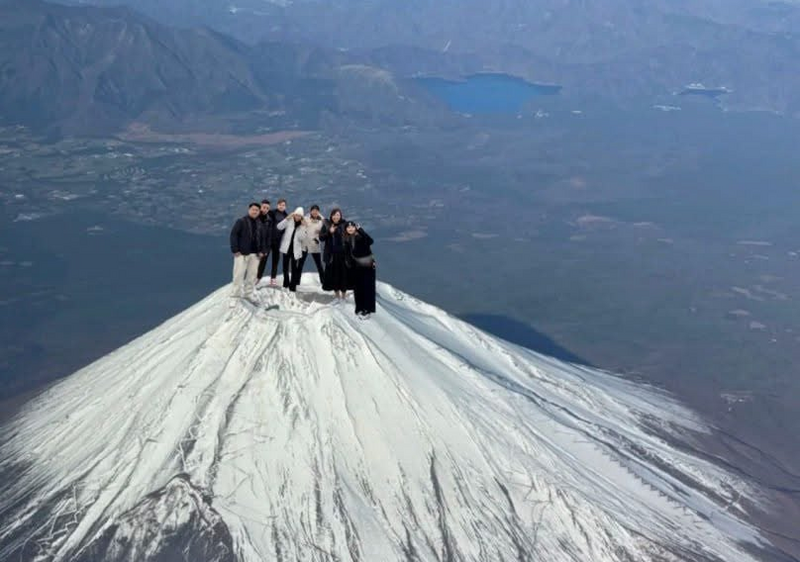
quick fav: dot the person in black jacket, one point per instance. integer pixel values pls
(246, 239)
(275, 246)
(266, 237)
(361, 262)
(336, 273)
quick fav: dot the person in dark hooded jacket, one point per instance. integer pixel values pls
(245, 242)
(361, 263)
(266, 237)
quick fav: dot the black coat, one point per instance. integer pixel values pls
(277, 218)
(246, 236)
(334, 243)
(267, 227)
(358, 246)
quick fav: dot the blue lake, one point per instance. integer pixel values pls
(486, 93)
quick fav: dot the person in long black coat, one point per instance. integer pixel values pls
(361, 262)
(337, 278)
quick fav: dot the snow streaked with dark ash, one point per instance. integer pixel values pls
(296, 431)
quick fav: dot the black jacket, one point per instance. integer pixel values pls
(334, 243)
(246, 236)
(277, 218)
(267, 227)
(359, 246)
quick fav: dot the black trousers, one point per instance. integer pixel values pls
(289, 266)
(318, 262)
(262, 264)
(276, 256)
(364, 290)
(295, 271)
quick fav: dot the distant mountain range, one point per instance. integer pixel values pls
(93, 70)
(612, 48)
(88, 69)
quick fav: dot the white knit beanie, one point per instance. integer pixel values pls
(299, 211)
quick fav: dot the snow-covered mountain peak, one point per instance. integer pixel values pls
(295, 431)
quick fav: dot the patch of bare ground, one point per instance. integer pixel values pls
(139, 132)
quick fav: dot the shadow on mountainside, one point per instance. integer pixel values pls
(520, 333)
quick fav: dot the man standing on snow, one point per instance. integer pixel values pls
(246, 249)
(266, 237)
(278, 215)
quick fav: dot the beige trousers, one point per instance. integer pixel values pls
(245, 270)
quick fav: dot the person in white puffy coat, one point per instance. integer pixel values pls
(294, 235)
(312, 244)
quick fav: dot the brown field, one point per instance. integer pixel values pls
(138, 132)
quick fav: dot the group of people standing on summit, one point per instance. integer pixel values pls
(341, 250)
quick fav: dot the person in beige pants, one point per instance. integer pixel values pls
(247, 252)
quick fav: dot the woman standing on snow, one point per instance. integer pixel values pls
(361, 262)
(336, 272)
(294, 234)
(311, 245)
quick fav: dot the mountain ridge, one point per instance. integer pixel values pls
(199, 75)
(88, 70)
(596, 47)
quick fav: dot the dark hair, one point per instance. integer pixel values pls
(281, 201)
(334, 211)
(253, 204)
(347, 236)
(314, 208)
(265, 202)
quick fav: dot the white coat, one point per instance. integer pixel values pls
(311, 244)
(288, 227)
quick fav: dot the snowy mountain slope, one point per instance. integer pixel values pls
(297, 432)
